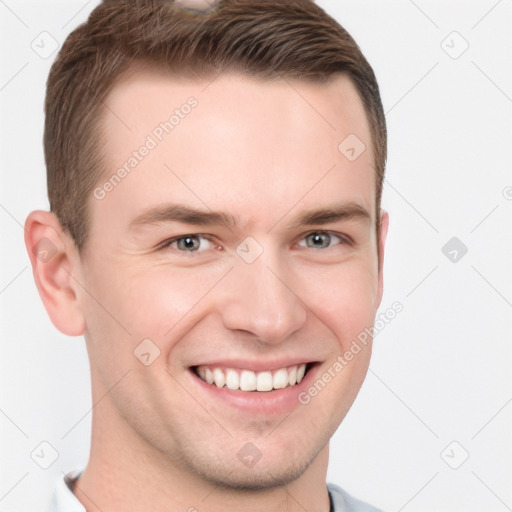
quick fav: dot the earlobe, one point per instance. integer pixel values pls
(52, 254)
(384, 224)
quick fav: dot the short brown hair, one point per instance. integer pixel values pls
(261, 38)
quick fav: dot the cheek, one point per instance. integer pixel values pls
(343, 298)
(160, 301)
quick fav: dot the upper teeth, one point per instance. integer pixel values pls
(247, 380)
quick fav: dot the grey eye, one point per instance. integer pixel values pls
(318, 240)
(188, 243)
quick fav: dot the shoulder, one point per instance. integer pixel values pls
(344, 502)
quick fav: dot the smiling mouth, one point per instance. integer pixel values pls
(249, 381)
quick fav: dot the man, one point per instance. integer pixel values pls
(216, 235)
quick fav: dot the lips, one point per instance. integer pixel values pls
(246, 380)
(243, 397)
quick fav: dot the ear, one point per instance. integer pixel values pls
(383, 233)
(54, 260)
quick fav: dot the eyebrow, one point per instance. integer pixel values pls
(338, 213)
(187, 215)
(182, 213)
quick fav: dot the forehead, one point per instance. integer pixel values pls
(233, 142)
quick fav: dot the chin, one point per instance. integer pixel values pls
(253, 479)
(266, 474)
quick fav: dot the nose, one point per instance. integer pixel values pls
(260, 298)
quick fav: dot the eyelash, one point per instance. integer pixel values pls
(344, 240)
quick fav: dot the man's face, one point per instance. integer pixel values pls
(287, 276)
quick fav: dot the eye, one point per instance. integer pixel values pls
(321, 240)
(187, 243)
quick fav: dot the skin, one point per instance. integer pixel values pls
(265, 152)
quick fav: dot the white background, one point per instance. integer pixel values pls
(441, 369)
